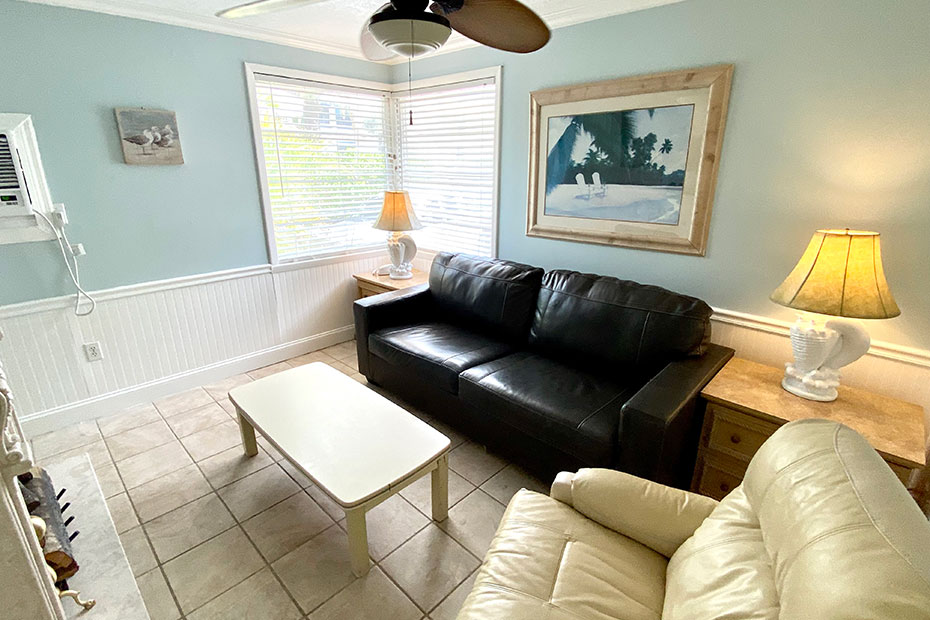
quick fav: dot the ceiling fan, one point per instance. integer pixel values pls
(407, 28)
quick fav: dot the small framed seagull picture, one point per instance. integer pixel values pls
(149, 137)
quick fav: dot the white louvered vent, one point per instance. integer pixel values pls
(8, 178)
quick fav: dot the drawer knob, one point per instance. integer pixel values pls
(724, 487)
(735, 438)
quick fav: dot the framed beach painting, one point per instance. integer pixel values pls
(629, 162)
(149, 137)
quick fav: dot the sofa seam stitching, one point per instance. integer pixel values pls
(627, 306)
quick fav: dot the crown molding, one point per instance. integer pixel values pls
(183, 19)
(592, 10)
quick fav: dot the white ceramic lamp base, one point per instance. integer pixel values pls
(819, 353)
(402, 249)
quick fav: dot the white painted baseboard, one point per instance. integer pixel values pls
(163, 337)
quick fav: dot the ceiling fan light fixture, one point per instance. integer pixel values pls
(410, 36)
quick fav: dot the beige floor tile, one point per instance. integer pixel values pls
(429, 566)
(341, 350)
(152, 464)
(449, 609)
(344, 368)
(360, 378)
(390, 524)
(186, 527)
(420, 493)
(122, 513)
(227, 406)
(372, 596)
(138, 440)
(212, 568)
(138, 551)
(287, 525)
(65, 439)
(474, 463)
(133, 417)
(329, 506)
(158, 600)
(198, 419)
(267, 371)
(351, 361)
(98, 452)
(231, 465)
(204, 444)
(309, 358)
(256, 492)
(270, 449)
(168, 492)
(317, 569)
(258, 597)
(184, 401)
(220, 389)
(109, 480)
(295, 473)
(473, 521)
(511, 479)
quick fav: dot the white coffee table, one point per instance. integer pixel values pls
(357, 446)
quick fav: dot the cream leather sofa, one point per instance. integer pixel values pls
(820, 528)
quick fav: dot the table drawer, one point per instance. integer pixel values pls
(736, 434)
(719, 477)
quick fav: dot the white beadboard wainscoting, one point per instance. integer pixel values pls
(162, 337)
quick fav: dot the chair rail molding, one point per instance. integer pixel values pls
(165, 336)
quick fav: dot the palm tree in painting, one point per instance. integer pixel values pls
(611, 134)
(666, 147)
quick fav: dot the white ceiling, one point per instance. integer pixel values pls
(331, 26)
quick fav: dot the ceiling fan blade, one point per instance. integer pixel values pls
(504, 24)
(262, 6)
(371, 48)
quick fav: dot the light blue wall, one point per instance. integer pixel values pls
(69, 69)
(828, 127)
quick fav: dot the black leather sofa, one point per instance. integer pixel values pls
(560, 370)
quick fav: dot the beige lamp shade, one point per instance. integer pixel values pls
(397, 213)
(840, 274)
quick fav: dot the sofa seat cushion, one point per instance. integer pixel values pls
(435, 352)
(570, 409)
(548, 561)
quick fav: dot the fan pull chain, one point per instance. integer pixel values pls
(410, 79)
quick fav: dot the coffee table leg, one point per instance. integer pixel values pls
(358, 540)
(440, 492)
(248, 435)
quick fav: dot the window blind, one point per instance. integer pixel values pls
(447, 163)
(326, 160)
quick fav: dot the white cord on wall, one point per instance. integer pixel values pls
(65, 246)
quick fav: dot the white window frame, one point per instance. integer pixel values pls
(251, 69)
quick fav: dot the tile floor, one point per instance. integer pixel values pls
(213, 535)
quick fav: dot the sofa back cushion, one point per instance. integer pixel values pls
(601, 321)
(820, 528)
(490, 295)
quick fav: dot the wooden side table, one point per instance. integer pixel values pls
(746, 404)
(369, 285)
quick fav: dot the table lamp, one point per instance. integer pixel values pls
(840, 274)
(396, 217)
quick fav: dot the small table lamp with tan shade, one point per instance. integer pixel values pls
(840, 274)
(397, 216)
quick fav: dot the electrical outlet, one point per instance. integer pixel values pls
(93, 351)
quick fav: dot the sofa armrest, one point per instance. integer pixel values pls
(660, 425)
(657, 516)
(401, 307)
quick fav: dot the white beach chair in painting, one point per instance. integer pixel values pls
(600, 189)
(583, 186)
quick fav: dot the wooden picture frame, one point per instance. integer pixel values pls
(635, 205)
